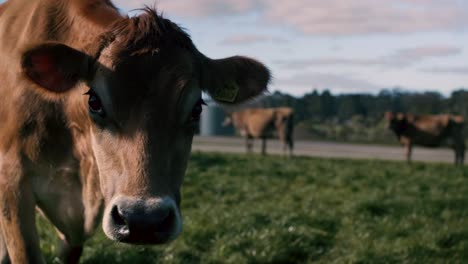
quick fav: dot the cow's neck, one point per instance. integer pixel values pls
(89, 22)
(77, 23)
(85, 21)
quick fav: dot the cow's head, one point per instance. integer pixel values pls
(143, 98)
(395, 121)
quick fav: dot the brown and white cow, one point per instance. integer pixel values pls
(263, 123)
(428, 131)
(97, 117)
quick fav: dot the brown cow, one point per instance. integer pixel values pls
(262, 123)
(98, 113)
(428, 131)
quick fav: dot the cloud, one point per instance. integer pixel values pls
(424, 52)
(447, 70)
(331, 17)
(343, 17)
(340, 83)
(195, 8)
(400, 58)
(299, 64)
(251, 39)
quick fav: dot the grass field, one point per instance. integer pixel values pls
(251, 209)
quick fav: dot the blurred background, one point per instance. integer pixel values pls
(337, 46)
(339, 64)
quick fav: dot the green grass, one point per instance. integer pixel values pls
(251, 209)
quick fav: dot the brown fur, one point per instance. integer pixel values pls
(148, 33)
(75, 166)
(262, 123)
(428, 131)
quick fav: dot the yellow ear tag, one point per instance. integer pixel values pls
(228, 93)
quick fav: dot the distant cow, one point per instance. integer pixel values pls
(98, 112)
(263, 123)
(428, 131)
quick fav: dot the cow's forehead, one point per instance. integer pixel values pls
(144, 69)
(156, 83)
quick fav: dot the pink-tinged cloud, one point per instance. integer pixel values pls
(251, 39)
(330, 17)
(344, 17)
(448, 70)
(401, 58)
(419, 53)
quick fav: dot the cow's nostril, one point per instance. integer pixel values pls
(167, 223)
(117, 217)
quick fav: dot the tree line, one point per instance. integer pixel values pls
(321, 106)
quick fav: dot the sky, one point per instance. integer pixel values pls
(345, 46)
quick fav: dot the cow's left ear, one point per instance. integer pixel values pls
(54, 66)
(233, 80)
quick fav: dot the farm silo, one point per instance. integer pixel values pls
(211, 123)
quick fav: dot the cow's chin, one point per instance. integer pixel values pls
(135, 221)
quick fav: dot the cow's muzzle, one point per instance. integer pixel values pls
(142, 221)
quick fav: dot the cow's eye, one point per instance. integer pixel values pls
(95, 104)
(197, 110)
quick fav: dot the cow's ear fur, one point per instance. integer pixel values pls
(233, 80)
(54, 66)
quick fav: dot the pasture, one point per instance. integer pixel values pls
(254, 209)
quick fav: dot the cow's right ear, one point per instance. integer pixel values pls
(54, 66)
